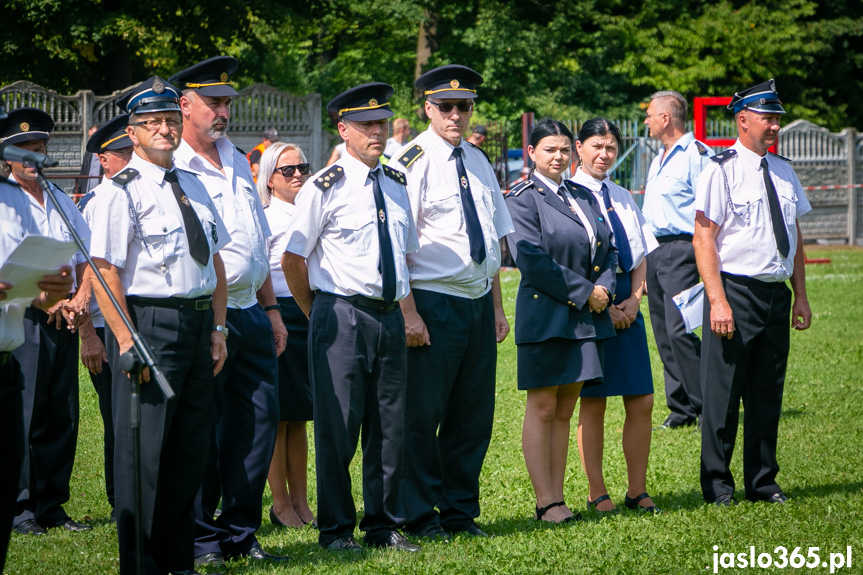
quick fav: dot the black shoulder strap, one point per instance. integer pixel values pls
(395, 174)
(778, 156)
(411, 155)
(520, 187)
(329, 177)
(82, 203)
(723, 157)
(702, 149)
(480, 149)
(125, 176)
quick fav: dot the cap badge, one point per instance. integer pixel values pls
(454, 84)
(25, 127)
(158, 85)
(464, 182)
(224, 77)
(185, 200)
(382, 215)
(373, 102)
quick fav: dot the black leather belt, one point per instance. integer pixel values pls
(5, 356)
(197, 304)
(376, 305)
(752, 282)
(674, 238)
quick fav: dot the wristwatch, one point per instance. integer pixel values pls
(223, 329)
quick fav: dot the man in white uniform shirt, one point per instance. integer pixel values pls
(159, 257)
(747, 244)
(49, 354)
(16, 223)
(352, 223)
(247, 413)
(454, 313)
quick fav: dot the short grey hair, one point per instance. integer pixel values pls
(676, 105)
(267, 167)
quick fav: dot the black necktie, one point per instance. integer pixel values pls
(621, 241)
(198, 246)
(387, 264)
(775, 212)
(474, 230)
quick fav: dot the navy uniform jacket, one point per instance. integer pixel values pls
(552, 251)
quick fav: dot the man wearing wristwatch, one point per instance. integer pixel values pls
(159, 256)
(247, 407)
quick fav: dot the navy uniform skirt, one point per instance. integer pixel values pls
(295, 389)
(626, 359)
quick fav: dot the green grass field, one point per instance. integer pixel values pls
(821, 434)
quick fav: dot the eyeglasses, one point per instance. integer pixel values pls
(155, 125)
(446, 107)
(288, 171)
(649, 116)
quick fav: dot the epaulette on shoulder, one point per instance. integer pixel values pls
(10, 182)
(480, 149)
(411, 155)
(239, 149)
(723, 157)
(329, 177)
(125, 176)
(702, 149)
(778, 156)
(520, 187)
(82, 203)
(395, 174)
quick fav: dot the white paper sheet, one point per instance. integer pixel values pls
(690, 302)
(34, 258)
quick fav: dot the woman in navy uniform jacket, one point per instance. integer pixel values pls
(562, 246)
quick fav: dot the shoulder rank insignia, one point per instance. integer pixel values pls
(411, 155)
(82, 203)
(329, 177)
(702, 149)
(395, 174)
(520, 187)
(778, 156)
(125, 176)
(723, 157)
(475, 147)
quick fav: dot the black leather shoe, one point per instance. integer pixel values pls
(258, 554)
(431, 531)
(632, 503)
(777, 497)
(30, 527)
(673, 424)
(392, 540)
(71, 525)
(214, 559)
(346, 543)
(472, 530)
(725, 500)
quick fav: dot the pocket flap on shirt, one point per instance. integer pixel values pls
(160, 226)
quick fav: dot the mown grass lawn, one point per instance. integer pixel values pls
(821, 434)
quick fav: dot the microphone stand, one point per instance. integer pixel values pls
(129, 363)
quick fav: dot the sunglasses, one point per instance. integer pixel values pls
(446, 107)
(288, 171)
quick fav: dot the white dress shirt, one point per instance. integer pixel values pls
(336, 231)
(443, 262)
(641, 239)
(87, 213)
(746, 243)
(279, 214)
(154, 255)
(16, 223)
(236, 198)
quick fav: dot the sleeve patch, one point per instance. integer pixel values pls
(723, 157)
(329, 177)
(395, 174)
(411, 155)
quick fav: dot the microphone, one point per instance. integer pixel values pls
(12, 153)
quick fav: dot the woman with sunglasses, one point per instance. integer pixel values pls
(283, 171)
(627, 363)
(562, 247)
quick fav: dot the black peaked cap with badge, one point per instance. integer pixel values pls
(761, 98)
(24, 125)
(452, 81)
(111, 136)
(363, 103)
(152, 95)
(208, 78)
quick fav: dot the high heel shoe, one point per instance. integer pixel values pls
(632, 503)
(540, 511)
(597, 501)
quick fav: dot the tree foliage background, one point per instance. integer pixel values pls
(564, 59)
